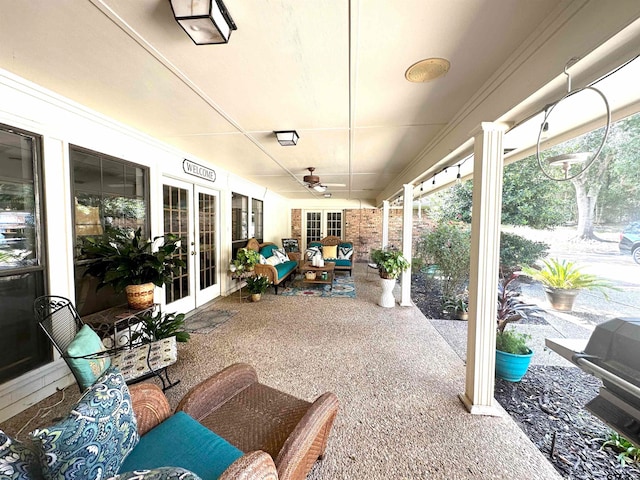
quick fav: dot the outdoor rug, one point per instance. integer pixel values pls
(343, 287)
(207, 320)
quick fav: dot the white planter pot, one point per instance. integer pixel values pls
(387, 299)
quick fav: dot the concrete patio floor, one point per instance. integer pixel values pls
(396, 377)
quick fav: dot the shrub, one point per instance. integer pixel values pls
(517, 251)
(448, 246)
(513, 342)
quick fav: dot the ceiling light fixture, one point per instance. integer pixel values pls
(287, 138)
(327, 195)
(427, 70)
(207, 22)
(319, 188)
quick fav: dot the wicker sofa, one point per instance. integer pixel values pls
(277, 274)
(344, 262)
(229, 426)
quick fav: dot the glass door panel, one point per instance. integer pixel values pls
(176, 203)
(313, 227)
(207, 245)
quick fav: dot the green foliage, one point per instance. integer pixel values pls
(566, 275)
(516, 251)
(390, 262)
(510, 308)
(455, 204)
(459, 303)
(448, 246)
(120, 258)
(258, 284)
(245, 260)
(159, 326)
(628, 452)
(510, 341)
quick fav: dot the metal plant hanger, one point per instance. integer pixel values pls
(567, 159)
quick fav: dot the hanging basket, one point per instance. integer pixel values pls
(140, 297)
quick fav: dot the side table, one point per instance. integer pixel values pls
(116, 325)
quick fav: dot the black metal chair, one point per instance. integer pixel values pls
(59, 319)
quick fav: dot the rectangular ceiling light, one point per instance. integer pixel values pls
(206, 22)
(287, 138)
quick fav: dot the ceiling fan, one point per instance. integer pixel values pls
(313, 181)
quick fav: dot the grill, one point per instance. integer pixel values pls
(612, 354)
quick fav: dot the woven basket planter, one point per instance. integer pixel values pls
(140, 297)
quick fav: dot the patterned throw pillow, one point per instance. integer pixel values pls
(330, 251)
(312, 252)
(262, 260)
(162, 473)
(95, 438)
(17, 460)
(345, 251)
(281, 254)
(87, 370)
(273, 260)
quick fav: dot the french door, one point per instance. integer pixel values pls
(193, 213)
(321, 223)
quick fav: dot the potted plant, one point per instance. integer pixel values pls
(390, 264)
(129, 263)
(458, 305)
(244, 262)
(513, 355)
(161, 325)
(562, 281)
(257, 285)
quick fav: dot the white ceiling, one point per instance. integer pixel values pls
(331, 69)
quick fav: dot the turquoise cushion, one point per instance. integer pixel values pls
(181, 441)
(17, 460)
(87, 370)
(286, 267)
(267, 250)
(163, 473)
(341, 262)
(97, 435)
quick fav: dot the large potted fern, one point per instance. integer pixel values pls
(129, 263)
(562, 280)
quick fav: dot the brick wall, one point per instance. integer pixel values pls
(363, 227)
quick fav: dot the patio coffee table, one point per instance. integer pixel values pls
(329, 267)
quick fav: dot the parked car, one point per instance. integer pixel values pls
(630, 241)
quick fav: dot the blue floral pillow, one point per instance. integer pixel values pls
(17, 460)
(95, 438)
(162, 473)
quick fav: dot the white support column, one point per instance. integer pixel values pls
(385, 223)
(488, 168)
(407, 237)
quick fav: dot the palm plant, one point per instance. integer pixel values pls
(566, 275)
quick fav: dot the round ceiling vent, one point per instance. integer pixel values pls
(427, 70)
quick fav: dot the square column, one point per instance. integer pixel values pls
(488, 166)
(407, 236)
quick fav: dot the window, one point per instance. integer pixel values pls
(239, 221)
(22, 267)
(257, 220)
(107, 193)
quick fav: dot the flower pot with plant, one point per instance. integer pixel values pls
(257, 285)
(390, 264)
(127, 262)
(513, 355)
(562, 280)
(458, 306)
(244, 263)
(160, 325)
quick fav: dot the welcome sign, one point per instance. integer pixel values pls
(199, 171)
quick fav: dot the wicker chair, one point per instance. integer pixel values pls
(253, 416)
(60, 321)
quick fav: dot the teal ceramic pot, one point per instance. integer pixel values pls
(512, 367)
